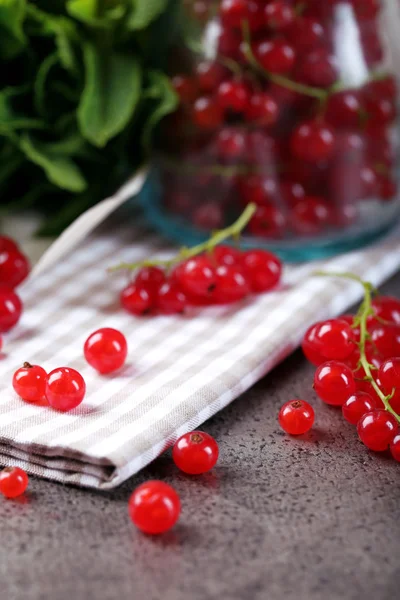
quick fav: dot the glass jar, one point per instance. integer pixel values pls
(287, 104)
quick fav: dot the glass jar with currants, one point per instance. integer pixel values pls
(289, 104)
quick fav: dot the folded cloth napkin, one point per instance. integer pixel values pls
(181, 370)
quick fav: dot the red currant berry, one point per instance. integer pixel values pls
(209, 76)
(318, 68)
(229, 42)
(14, 268)
(208, 216)
(344, 109)
(279, 15)
(386, 339)
(395, 447)
(313, 141)
(233, 95)
(185, 87)
(106, 350)
(387, 308)
(170, 300)
(276, 55)
(196, 277)
(262, 269)
(377, 429)
(137, 300)
(386, 88)
(195, 453)
(268, 221)
(65, 389)
(292, 192)
(230, 143)
(310, 215)
(231, 284)
(227, 255)
(356, 406)
(306, 34)
(29, 383)
(154, 507)
(263, 109)
(334, 339)
(380, 110)
(389, 376)
(311, 348)
(233, 13)
(207, 114)
(151, 278)
(13, 482)
(10, 308)
(334, 383)
(296, 417)
(258, 189)
(6, 243)
(387, 188)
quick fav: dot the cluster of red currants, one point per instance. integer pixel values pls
(271, 108)
(360, 373)
(14, 269)
(222, 276)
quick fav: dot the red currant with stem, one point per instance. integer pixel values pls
(343, 109)
(262, 269)
(268, 221)
(106, 350)
(296, 417)
(10, 308)
(65, 388)
(195, 453)
(313, 141)
(334, 383)
(395, 447)
(226, 255)
(29, 382)
(13, 482)
(170, 299)
(137, 300)
(154, 507)
(377, 429)
(185, 87)
(231, 284)
(389, 376)
(151, 278)
(6, 243)
(262, 108)
(14, 268)
(386, 308)
(233, 95)
(356, 406)
(206, 113)
(275, 55)
(197, 277)
(279, 15)
(310, 215)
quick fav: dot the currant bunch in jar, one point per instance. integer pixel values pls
(273, 109)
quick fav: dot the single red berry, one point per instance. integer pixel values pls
(334, 339)
(334, 382)
(227, 255)
(208, 216)
(106, 350)
(65, 389)
(356, 406)
(10, 308)
(279, 15)
(185, 87)
(268, 221)
(258, 189)
(296, 417)
(233, 13)
(350, 320)
(318, 68)
(377, 429)
(195, 453)
(233, 95)
(386, 88)
(6, 243)
(154, 507)
(29, 382)
(310, 215)
(231, 284)
(137, 300)
(387, 308)
(262, 109)
(306, 33)
(151, 278)
(13, 482)
(386, 339)
(229, 42)
(313, 141)
(275, 55)
(395, 447)
(380, 110)
(311, 348)
(343, 109)
(14, 268)
(292, 192)
(206, 113)
(230, 143)
(262, 269)
(209, 76)
(389, 377)
(196, 276)
(170, 299)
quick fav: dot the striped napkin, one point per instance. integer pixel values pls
(181, 370)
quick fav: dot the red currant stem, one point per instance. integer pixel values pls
(274, 77)
(360, 320)
(233, 231)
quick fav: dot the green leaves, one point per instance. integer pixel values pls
(164, 100)
(111, 93)
(144, 12)
(12, 37)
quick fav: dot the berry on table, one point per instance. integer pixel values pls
(170, 299)
(296, 417)
(14, 267)
(10, 308)
(106, 350)
(151, 278)
(195, 453)
(262, 269)
(65, 388)
(29, 382)
(13, 482)
(136, 300)
(395, 447)
(356, 406)
(6, 243)
(377, 430)
(196, 276)
(226, 255)
(231, 284)
(154, 507)
(334, 383)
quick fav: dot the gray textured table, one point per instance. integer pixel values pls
(279, 518)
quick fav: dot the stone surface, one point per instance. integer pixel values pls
(278, 519)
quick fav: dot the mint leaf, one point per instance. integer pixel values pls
(160, 91)
(144, 12)
(96, 12)
(111, 94)
(12, 37)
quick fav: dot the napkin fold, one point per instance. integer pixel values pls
(181, 370)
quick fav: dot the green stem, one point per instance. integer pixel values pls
(365, 311)
(233, 231)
